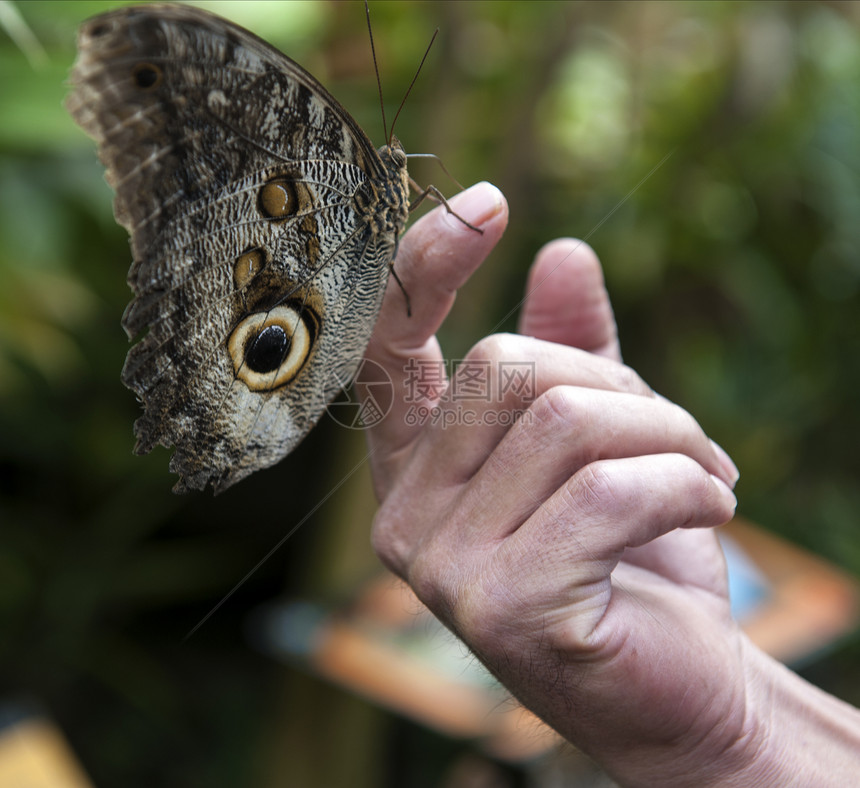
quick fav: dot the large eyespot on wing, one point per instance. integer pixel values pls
(269, 349)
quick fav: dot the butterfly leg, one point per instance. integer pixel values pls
(402, 289)
(434, 194)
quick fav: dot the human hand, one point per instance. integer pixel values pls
(563, 549)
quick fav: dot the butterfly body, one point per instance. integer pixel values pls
(263, 226)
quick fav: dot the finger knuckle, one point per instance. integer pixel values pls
(558, 415)
(627, 379)
(556, 407)
(483, 369)
(686, 422)
(495, 347)
(593, 488)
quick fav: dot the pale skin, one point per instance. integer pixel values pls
(573, 552)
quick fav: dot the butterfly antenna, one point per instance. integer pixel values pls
(376, 69)
(412, 83)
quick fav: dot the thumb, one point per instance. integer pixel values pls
(566, 300)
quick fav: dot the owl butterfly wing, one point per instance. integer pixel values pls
(258, 267)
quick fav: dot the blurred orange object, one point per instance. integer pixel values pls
(34, 754)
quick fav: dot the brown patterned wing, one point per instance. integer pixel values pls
(263, 225)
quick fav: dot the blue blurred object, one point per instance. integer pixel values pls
(748, 587)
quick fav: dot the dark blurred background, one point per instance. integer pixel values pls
(709, 152)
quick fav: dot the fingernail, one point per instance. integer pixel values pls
(725, 493)
(478, 204)
(726, 463)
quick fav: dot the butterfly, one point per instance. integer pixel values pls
(263, 228)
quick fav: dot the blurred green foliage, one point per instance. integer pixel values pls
(709, 152)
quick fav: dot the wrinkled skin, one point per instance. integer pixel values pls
(573, 551)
